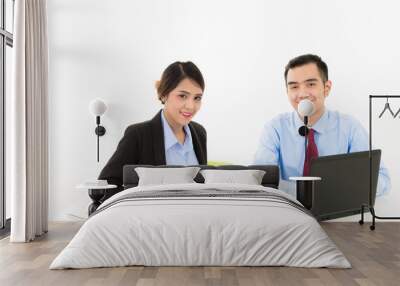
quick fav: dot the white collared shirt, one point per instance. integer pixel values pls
(175, 152)
(335, 133)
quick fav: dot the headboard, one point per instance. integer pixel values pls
(270, 179)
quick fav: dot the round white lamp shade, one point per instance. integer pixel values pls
(97, 107)
(305, 107)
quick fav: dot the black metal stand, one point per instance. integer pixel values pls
(96, 195)
(370, 206)
(100, 131)
(305, 193)
(99, 195)
(305, 188)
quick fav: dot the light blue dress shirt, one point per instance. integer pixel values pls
(335, 133)
(175, 152)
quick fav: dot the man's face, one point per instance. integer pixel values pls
(306, 82)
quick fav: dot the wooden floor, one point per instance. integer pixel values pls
(374, 255)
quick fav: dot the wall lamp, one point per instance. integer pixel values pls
(97, 107)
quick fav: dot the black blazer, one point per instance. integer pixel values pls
(143, 143)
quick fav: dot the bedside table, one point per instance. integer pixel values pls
(96, 193)
(305, 190)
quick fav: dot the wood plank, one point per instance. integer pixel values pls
(374, 255)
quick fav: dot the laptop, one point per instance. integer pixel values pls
(345, 183)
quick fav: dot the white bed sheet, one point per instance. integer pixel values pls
(200, 231)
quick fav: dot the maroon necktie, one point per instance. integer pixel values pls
(311, 152)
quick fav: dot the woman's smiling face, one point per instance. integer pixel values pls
(183, 102)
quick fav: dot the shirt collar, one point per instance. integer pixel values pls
(320, 126)
(170, 138)
(323, 123)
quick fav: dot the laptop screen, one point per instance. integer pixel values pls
(345, 183)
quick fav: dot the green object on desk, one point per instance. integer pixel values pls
(218, 163)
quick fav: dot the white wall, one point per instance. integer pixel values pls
(115, 50)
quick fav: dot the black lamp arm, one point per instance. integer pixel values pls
(100, 131)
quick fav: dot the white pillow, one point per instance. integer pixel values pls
(165, 176)
(248, 177)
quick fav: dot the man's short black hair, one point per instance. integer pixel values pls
(308, 59)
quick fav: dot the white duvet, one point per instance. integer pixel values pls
(200, 231)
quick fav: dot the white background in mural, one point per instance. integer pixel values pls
(116, 50)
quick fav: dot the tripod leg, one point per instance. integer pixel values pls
(361, 221)
(371, 209)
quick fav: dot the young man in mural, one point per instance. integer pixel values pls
(331, 132)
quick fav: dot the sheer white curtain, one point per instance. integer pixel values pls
(29, 122)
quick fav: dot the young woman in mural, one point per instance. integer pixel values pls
(170, 137)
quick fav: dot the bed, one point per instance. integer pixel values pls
(201, 224)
